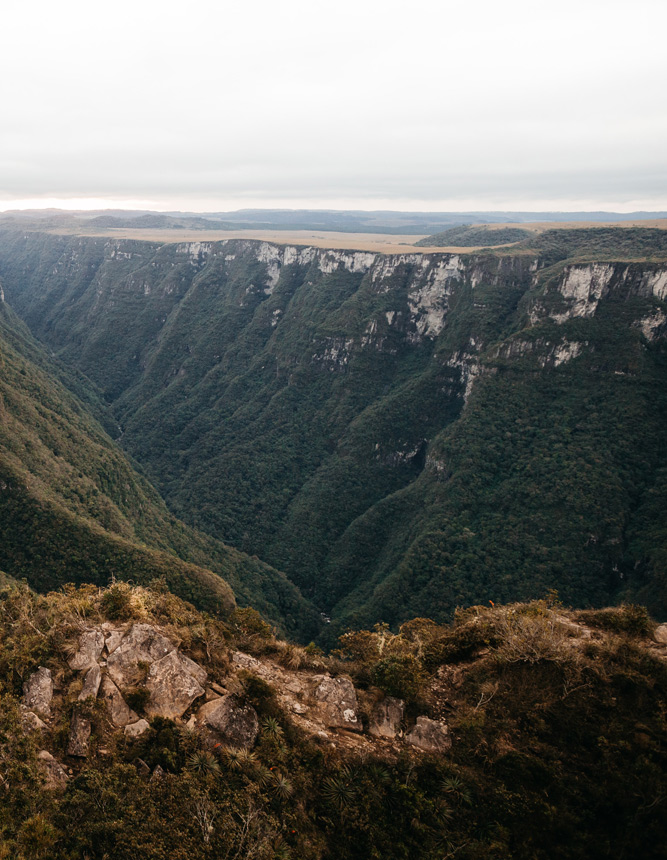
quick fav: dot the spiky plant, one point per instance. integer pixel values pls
(280, 786)
(452, 785)
(339, 790)
(204, 763)
(271, 727)
(238, 758)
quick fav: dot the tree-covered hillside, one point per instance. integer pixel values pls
(73, 508)
(399, 434)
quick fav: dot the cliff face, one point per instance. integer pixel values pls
(398, 433)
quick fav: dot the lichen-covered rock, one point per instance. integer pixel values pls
(174, 682)
(660, 634)
(119, 711)
(91, 683)
(141, 644)
(54, 776)
(91, 644)
(386, 718)
(112, 639)
(338, 699)
(233, 722)
(38, 692)
(429, 736)
(31, 722)
(136, 730)
(79, 735)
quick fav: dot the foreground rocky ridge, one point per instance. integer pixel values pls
(130, 723)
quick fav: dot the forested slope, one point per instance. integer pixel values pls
(400, 434)
(72, 508)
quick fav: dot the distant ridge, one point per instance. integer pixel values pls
(343, 221)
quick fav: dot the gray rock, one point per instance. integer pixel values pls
(119, 711)
(91, 683)
(174, 682)
(339, 702)
(386, 718)
(38, 692)
(141, 644)
(54, 775)
(91, 643)
(429, 736)
(79, 735)
(158, 773)
(31, 722)
(136, 730)
(113, 640)
(231, 721)
(660, 634)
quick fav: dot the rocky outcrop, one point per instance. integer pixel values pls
(31, 722)
(119, 711)
(79, 735)
(660, 634)
(386, 718)
(54, 775)
(429, 736)
(91, 683)
(38, 692)
(338, 700)
(91, 645)
(141, 644)
(174, 682)
(230, 720)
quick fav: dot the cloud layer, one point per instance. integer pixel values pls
(353, 103)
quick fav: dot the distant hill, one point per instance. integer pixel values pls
(467, 236)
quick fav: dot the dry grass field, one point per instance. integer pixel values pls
(381, 243)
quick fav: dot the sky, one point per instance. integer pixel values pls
(359, 104)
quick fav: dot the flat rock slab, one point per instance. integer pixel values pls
(119, 711)
(141, 644)
(54, 776)
(339, 702)
(136, 730)
(38, 692)
(429, 736)
(91, 645)
(91, 683)
(386, 718)
(79, 735)
(174, 682)
(234, 723)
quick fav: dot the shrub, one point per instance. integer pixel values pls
(401, 677)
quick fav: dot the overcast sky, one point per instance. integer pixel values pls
(369, 104)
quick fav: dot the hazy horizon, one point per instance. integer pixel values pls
(482, 107)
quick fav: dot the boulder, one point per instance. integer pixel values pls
(54, 775)
(91, 683)
(174, 682)
(79, 734)
(38, 692)
(429, 736)
(112, 640)
(141, 644)
(136, 730)
(31, 722)
(91, 644)
(386, 718)
(233, 722)
(660, 634)
(339, 702)
(119, 711)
